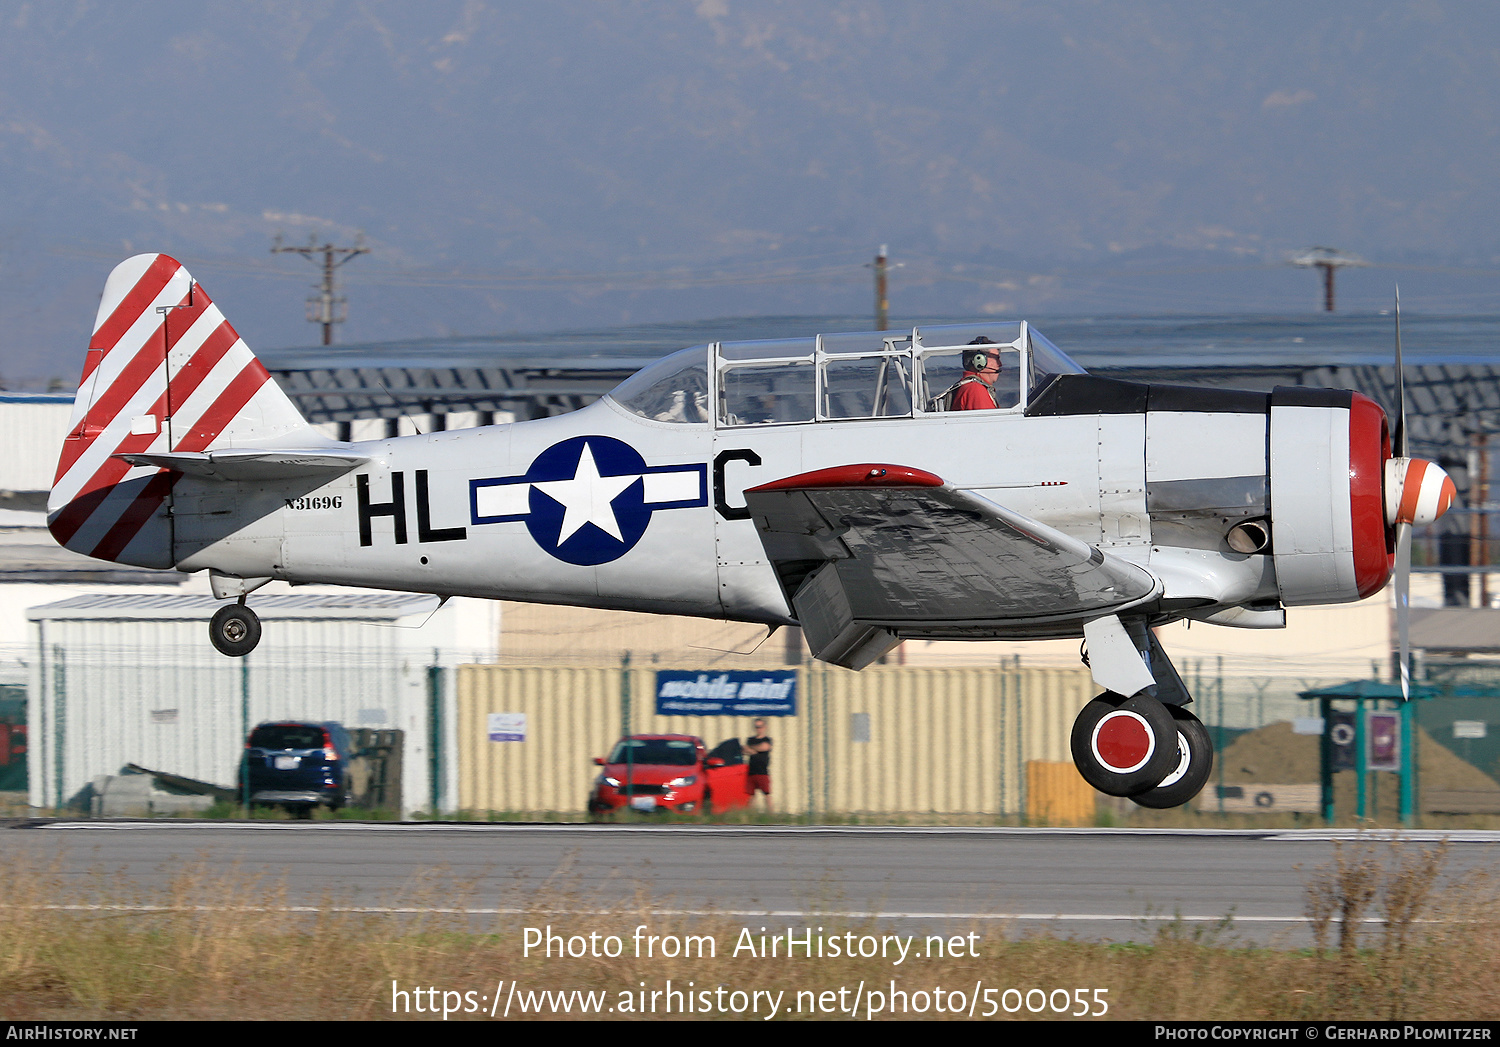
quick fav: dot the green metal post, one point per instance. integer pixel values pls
(1361, 765)
(811, 744)
(43, 714)
(245, 734)
(626, 719)
(1004, 738)
(1408, 763)
(1325, 759)
(827, 759)
(1219, 730)
(435, 736)
(59, 721)
(1023, 794)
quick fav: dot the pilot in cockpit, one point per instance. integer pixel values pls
(975, 390)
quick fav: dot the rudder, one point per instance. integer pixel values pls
(165, 372)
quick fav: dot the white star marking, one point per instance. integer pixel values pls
(586, 498)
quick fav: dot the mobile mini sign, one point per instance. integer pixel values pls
(726, 693)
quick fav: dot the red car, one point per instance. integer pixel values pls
(670, 772)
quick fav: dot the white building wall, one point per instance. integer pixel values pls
(32, 429)
(104, 692)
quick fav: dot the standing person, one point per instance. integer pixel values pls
(758, 749)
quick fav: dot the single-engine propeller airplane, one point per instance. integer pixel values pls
(824, 481)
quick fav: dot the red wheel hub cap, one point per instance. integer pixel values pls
(1123, 741)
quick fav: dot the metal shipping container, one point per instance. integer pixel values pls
(886, 740)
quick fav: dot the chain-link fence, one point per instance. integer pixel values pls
(893, 740)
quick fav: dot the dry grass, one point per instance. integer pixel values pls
(221, 945)
(1432, 949)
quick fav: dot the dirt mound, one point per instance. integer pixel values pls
(1274, 755)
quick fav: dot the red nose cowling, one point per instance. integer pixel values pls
(1374, 541)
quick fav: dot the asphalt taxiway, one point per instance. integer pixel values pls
(1097, 884)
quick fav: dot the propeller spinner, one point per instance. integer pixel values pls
(1416, 491)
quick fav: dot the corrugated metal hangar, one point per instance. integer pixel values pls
(1452, 379)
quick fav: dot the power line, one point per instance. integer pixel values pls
(821, 269)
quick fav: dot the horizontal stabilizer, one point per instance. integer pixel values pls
(248, 463)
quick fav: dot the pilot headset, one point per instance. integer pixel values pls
(979, 359)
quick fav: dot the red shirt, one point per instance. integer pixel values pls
(973, 396)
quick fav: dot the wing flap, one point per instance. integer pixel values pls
(916, 556)
(248, 463)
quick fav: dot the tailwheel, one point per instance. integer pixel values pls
(1195, 762)
(234, 630)
(1124, 746)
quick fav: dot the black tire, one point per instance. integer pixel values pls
(234, 630)
(1194, 767)
(1120, 745)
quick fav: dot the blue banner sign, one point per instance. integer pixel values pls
(726, 693)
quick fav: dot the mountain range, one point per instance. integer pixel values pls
(537, 166)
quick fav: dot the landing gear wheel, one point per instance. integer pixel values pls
(1124, 746)
(1195, 762)
(234, 630)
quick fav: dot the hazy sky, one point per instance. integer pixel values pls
(540, 166)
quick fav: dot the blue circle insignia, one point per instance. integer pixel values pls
(587, 500)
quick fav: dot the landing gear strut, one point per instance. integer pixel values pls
(234, 630)
(1146, 746)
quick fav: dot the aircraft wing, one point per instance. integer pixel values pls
(870, 554)
(249, 463)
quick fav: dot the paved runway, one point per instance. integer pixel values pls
(1088, 883)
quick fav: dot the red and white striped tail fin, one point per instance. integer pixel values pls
(165, 372)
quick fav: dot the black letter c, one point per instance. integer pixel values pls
(727, 511)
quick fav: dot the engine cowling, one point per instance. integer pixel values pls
(1337, 495)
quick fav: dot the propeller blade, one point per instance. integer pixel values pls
(1403, 604)
(1403, 528)
(1399, 442)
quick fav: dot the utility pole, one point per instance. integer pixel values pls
(882, 266)
(1327, 259)
(1479, 521)
(326, 307)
